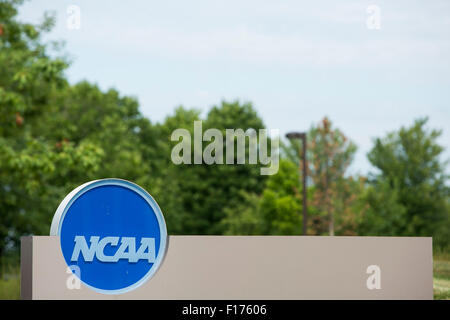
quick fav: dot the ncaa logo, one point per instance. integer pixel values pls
(114, 231)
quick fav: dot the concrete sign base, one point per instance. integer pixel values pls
(252, 267)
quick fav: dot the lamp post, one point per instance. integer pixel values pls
(302, 136)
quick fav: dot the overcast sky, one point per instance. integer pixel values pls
(296, 61)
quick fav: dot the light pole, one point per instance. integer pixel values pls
(302, 136)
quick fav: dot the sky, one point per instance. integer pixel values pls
(370, 66)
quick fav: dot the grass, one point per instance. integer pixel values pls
(10, 281)
(10, 288)
(441, 274)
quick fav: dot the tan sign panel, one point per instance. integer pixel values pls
(254, 267)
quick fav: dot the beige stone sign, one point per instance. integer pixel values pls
(253, 267)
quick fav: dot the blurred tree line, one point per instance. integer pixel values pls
(55, 136)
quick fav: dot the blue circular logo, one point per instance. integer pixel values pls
(113, 231)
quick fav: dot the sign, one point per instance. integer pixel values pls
(253, 268)
(113, 232)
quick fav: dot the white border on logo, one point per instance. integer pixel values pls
(58, 218)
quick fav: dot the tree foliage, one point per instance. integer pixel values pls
(33, 168)
(208, 190)
(409, 195)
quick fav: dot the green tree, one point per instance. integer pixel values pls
(82, 113)
(206, 191)
(410, 193)
(32, 167)
(246, 218)
(385, 214)
(276, 211)
(281, 201)
(179, 205)
(224, 183)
